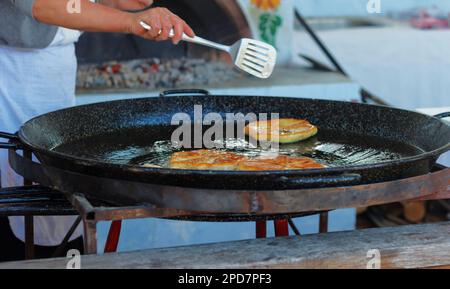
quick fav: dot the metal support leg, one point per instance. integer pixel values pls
(281, 228)
(323, 223)
(294, 227)
(59, 251)
(29, 238)
(113, 237)
(29, 221)
(90, 237)
(261, 229)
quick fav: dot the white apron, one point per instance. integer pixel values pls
(34, 82)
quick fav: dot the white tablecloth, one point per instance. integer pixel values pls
(408, 68)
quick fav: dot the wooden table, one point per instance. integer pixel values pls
(417, 246)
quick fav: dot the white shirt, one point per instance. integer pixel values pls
(34, 82)
(65, 36)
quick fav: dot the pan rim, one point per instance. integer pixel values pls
(83, 162)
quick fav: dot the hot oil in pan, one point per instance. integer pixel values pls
(138, 147)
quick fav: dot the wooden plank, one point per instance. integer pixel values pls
(418, 246)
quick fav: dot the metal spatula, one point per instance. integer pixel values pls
(252, 56)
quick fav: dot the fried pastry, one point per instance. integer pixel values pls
(286, 130)
(229, 161)
(262, 164)
(205, 160)
(279, 163)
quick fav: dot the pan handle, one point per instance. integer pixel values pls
(443, 115)
(184, 91)
(9, 136)
(14, 141)
(345, 179)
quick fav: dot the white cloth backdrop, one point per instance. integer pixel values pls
(408, 68)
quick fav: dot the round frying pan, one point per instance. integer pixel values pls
(361, 143)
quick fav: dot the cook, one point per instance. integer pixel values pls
(37, 75)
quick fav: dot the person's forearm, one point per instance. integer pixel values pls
(128, 5)
(109, 3)
(92, 17)
(96, 17)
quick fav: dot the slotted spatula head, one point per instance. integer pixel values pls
(254, 57)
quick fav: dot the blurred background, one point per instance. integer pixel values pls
(400, 58)
(396, 51)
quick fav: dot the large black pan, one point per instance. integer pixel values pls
(418, 139)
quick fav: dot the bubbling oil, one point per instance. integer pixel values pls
(328, 149)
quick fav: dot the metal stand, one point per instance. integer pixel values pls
(46, 201)
(91, 215)
(323, 223)
(36, 200)
(281, 228)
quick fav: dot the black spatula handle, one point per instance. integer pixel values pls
(11, 137)
(443, 115)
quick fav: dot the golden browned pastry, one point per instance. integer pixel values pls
(279, 163)
(228, 161)
(205, 160)
(285, 130)
(263, 164)
(302, 163)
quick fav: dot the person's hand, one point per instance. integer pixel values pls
(162, 21)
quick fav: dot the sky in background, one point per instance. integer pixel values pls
(358, 7)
